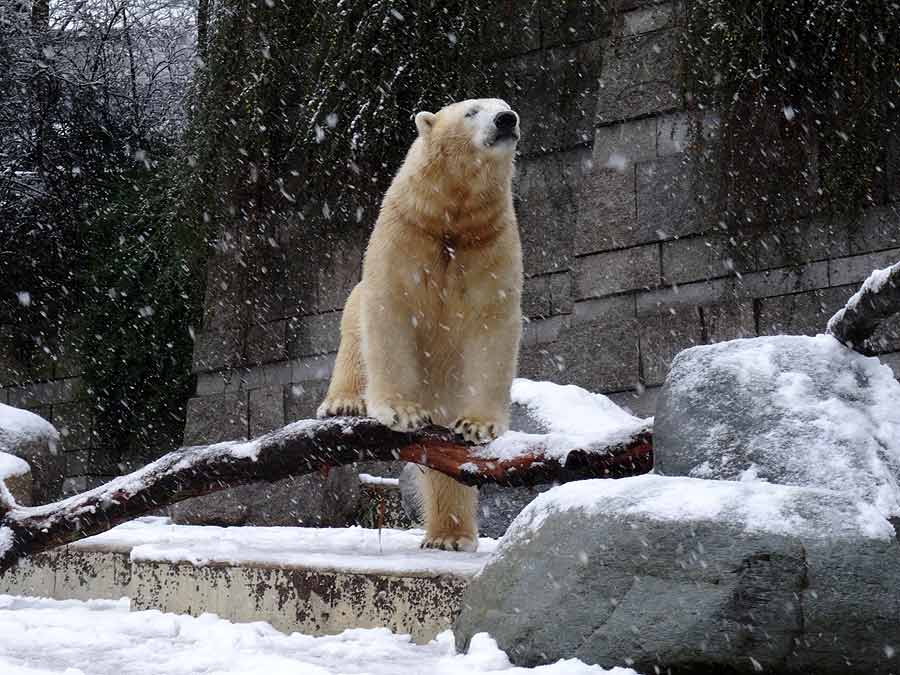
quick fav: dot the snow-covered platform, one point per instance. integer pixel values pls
(315, 581)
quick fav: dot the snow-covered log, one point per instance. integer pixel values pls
(307, 447)
(877, 299)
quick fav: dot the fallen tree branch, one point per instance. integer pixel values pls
(877, 299)
(302, 448)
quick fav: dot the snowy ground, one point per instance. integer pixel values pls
(101, 637)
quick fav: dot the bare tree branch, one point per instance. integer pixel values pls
(300, 448)
(877, 299)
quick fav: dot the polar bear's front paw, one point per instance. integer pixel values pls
(401, 416)
(342, 406)
(450, 542)
(477, 430)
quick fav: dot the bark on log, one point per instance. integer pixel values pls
(876, 300)
(301, 448)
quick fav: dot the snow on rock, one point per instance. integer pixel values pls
(565, 408)
(353, 549)
(749, 506)
(19, 427)
(572, 417)
(786, 409)
(101, 637)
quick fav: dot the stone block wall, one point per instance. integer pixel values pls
(626, 260)
(625, 263)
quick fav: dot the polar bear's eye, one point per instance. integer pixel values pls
(472, 112)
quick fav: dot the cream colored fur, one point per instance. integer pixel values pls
(431, 333)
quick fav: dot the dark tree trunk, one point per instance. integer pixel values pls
(871, 304)
(202, 27)
(40, 24)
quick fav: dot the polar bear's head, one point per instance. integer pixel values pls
(477, 127)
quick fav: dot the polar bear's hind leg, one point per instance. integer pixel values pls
(450, 512)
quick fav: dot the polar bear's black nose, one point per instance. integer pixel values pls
(506, 120)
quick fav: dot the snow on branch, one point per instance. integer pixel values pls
(306, 447)
(877, 299)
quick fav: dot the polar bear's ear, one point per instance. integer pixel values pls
(424, 122)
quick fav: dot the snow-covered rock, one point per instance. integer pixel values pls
(12, 466)
(28, 450)
(568, 409)
(790, 410)
(567, 417)
(660, 572)
(19, 427)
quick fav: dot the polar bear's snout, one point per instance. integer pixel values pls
(506, 120)
(506, 127)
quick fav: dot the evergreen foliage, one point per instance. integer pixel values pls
(310, 103)
(93, 237)
(807, 92)
(142, 300)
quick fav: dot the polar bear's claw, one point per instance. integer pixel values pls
(478, 431)
(342, 407)
(405, 416)
(451, 542)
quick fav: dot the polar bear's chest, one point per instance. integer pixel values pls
(455, 287)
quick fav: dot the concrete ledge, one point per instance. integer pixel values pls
(35, 576)
(70, 573)
(291, 578)
(313, 602)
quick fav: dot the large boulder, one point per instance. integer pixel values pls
(790, 410)
(695, 576)
(34, 440)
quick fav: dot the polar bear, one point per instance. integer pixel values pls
(431, 333)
